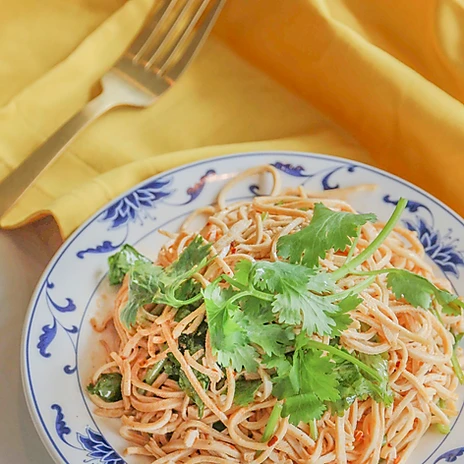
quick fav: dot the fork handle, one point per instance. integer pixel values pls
(18, 181)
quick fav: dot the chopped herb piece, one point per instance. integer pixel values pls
(219, 426)
(245, 391)
(194, 342)
(184, 384)
(175, 372)
(108, 387)
(154, 372)
(272, 422)
(443, 429)
(313, 431)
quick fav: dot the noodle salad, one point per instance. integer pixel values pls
(289, 329)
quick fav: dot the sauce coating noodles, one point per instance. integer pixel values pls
(162, 422)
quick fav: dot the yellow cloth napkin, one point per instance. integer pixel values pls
(378, 81)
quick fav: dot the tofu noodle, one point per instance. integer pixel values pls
(178, 400)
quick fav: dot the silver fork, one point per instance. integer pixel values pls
(150, 66)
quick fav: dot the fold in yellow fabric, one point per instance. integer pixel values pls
(379, 82)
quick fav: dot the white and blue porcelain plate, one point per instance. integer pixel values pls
(60, 350)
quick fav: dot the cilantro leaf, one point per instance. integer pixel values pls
(303, 408)
(334, 380)
(258, 322)
(193, 257)
(242, 357)
(413, 288)
(272, 338)
(311, 382)
(280, 363)
(381, 391)
(374, 368)
(318, 315)
(228, 340)
(451, 304)
(322, 282)
(353, 383)
(143, 285)
(327, 230)
(122, 261)
(316, 375)
(419, 291)
(293, 302)
(242, 271)
(245, 391)
(341, 318)
(315, 313)
(280, 276)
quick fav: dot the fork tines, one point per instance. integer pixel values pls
(173, 34)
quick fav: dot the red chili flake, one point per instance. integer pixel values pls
(398, 364)
(272, 441)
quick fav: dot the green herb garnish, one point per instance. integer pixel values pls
(174, 371)
(327, 230)
(108, 387)
(245, 391)
(153, 284)
(154, 372)
(121, 262)
(273, 314)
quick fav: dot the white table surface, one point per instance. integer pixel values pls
(24, 253)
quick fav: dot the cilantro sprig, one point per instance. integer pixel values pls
(419, 291)
(269, 312)
(237, 336)
(154, 284)
(297, 295)
(352, 264)
(275, 314)
(121, 262)
(321, 376)
(328, 230)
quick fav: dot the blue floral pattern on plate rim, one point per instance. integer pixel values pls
(441, 246)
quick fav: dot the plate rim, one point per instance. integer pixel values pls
(28, 391)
